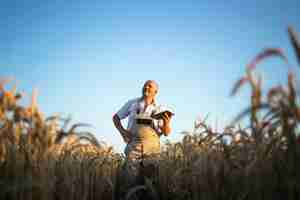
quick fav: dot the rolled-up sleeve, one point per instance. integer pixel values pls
(124, 110)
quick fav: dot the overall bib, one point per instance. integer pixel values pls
(145, 142)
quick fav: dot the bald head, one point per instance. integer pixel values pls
(150, 88)
(153, 82)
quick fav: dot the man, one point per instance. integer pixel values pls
(143, 132)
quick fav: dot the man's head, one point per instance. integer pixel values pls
(150, 88)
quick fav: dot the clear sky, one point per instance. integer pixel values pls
(87, 58)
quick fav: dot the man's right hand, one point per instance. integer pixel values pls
(127, 137)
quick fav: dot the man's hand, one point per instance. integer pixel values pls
(127, 136)
(166, 129)
(166, 118)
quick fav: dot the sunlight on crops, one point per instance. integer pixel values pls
(41, 159)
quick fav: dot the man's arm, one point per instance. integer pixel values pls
(126, 135)
(166, 128)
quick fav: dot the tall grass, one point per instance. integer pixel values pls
(41, 159)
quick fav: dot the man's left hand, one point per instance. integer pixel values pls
(166, 118)
(166, 129)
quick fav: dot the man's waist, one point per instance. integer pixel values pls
(144, 132)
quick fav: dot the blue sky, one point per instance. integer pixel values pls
(87, 58)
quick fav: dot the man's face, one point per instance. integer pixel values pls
(150, 89)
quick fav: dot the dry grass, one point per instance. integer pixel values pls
(40, 159)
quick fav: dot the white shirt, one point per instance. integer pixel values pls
(137, 106)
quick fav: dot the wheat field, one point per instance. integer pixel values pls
(41, 159)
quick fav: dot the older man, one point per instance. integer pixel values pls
(143, 132)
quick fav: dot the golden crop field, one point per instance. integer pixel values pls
(41, 159)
